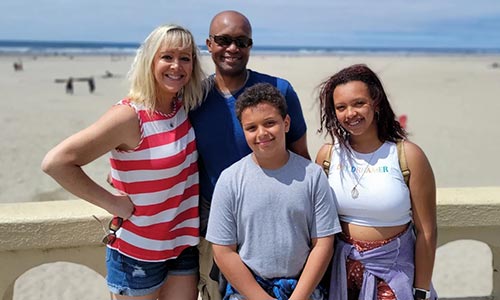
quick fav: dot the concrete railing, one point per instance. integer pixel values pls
(35, 233)
(472, 214)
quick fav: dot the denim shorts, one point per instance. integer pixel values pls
(130, 277)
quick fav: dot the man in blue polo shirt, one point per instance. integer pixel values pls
(219, 137)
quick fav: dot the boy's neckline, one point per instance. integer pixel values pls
(276, 165)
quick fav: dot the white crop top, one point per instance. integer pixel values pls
(383, 197)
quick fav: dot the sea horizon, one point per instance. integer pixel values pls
(51, 48)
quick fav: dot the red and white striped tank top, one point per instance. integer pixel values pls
(161, 177)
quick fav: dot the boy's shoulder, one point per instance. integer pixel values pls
(300, 166)
(304, 162)
(237, 167)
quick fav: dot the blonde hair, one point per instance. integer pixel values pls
(142, 81)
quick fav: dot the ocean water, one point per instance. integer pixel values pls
(11, 47)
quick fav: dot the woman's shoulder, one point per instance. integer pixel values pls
(324, 153)
(120, 120)
(124, 110)
(411, 149)
(415, 156)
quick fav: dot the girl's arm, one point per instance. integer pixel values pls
(315, 267)
(117, 128)
(237, 273)
(423, 201)
(323, 153)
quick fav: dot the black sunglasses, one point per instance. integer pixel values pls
(110, 234)
(226, 41)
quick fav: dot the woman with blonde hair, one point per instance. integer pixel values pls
(151, 247)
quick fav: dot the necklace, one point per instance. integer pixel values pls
(354, 191)
(173, 111)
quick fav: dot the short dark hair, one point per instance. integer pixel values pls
(259, 93)
(388, 127)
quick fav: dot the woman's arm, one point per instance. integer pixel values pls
(237, 273)
(117, 128)
(323, 153)
(423, 201)
(315, 267)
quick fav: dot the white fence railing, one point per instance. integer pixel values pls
(35, 233)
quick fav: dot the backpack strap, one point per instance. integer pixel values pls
(328, 158)
(403, 165)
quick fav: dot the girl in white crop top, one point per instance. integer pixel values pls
(383, 198)
(375, 205)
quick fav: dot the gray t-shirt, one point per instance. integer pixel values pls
(272, 215)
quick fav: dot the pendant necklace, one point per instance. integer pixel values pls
(171, 114)
(354, 191)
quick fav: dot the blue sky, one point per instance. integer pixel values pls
(362, 23)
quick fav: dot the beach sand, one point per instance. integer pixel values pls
(451, 104)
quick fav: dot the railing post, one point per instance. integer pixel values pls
(496, 271)
(8, 293)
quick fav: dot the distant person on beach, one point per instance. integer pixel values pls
(69, 86)
(219, 137)
(107, 74)
(18, 66)
(273, 215)
(91, 85)
(151, 247)
(388, 242)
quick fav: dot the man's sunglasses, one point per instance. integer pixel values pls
(110, 234)
(226, 41)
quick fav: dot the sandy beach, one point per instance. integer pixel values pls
(451, 104)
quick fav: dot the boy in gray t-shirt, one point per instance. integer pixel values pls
(273, 213)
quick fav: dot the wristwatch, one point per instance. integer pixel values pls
(421, 294)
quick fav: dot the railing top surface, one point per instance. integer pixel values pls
(468, 207)
(70, 223)
(49, 210)
(51, 224)
(469, 196)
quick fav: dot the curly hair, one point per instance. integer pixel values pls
(388, 128)
(258, 93)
